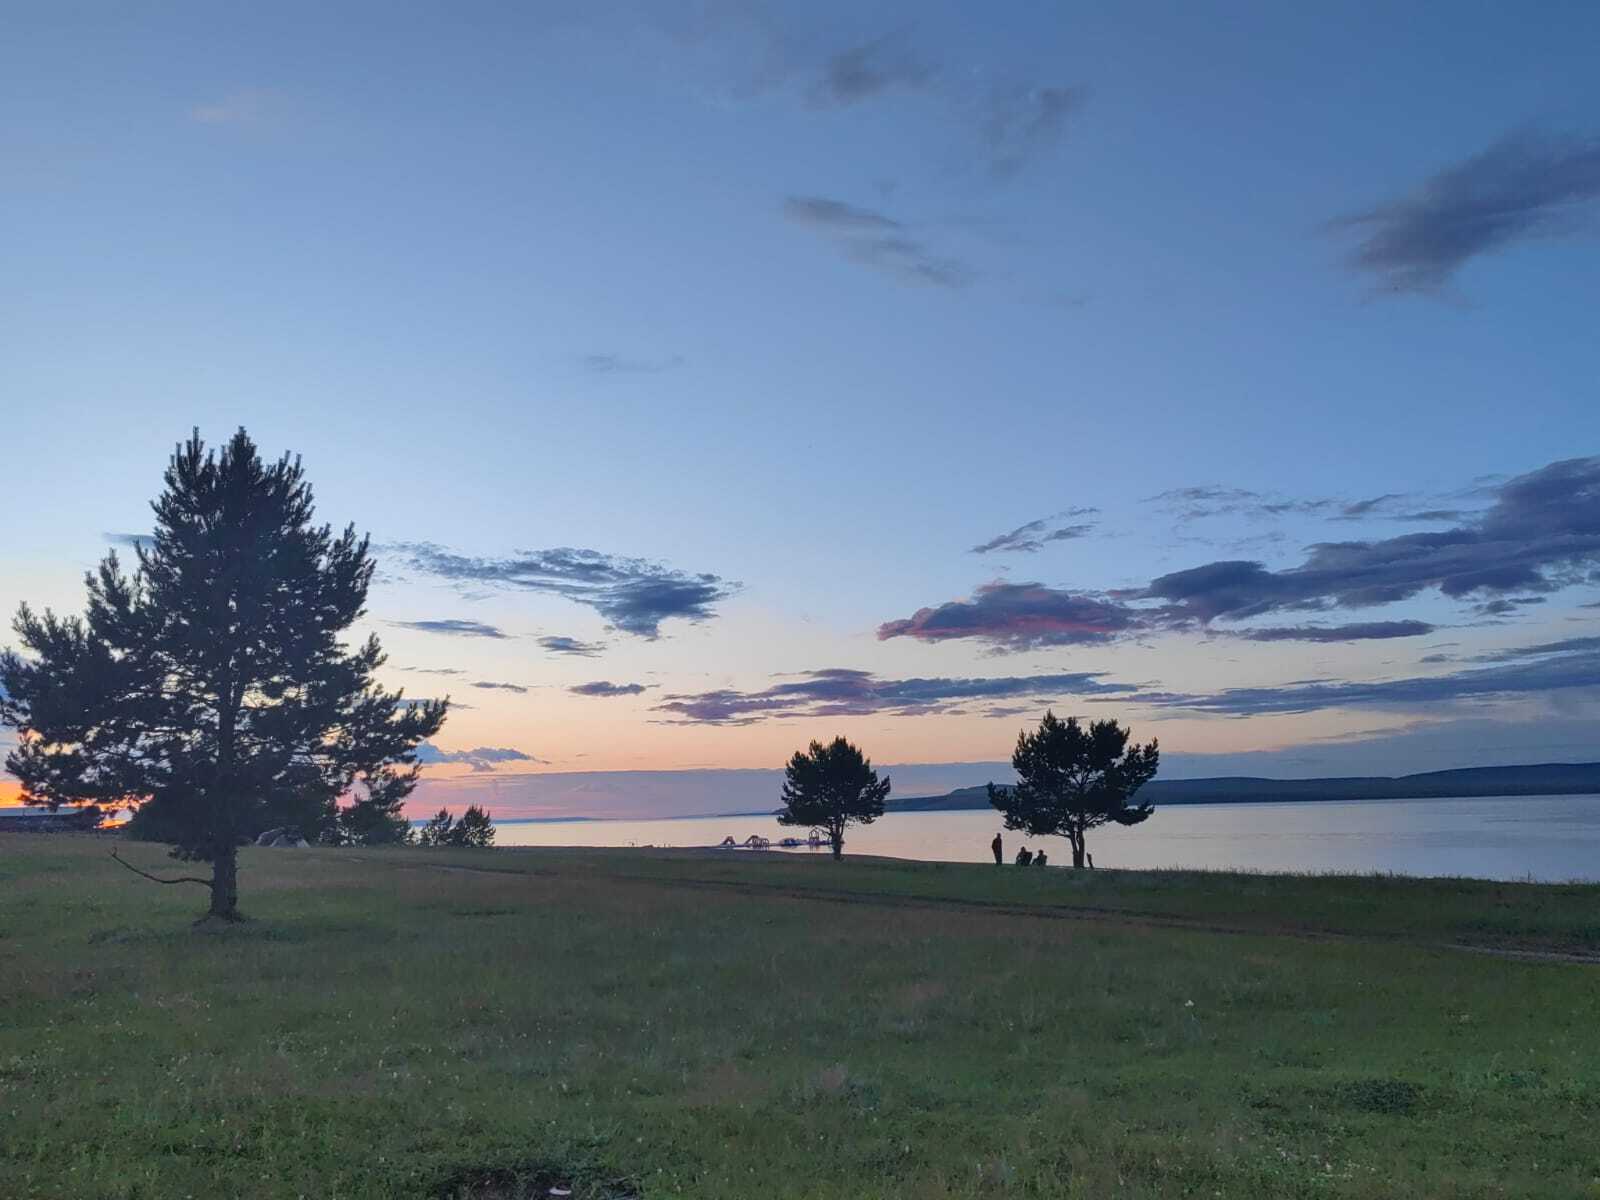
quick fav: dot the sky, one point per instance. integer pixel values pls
(715, 377)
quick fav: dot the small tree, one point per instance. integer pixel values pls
(474, 829)
(437, 832)
(831, 787)
(1072, 779)
(213, 684)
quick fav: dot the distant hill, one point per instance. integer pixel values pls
(1543, 779)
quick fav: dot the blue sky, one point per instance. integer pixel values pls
(779, 312)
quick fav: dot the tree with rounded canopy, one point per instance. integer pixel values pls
(1072, 779)
(830, 787)
(212, 685)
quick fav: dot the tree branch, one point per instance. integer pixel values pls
(157, 878)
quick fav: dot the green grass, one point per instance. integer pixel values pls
(641, 1024)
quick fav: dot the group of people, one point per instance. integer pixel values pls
(1025, 857)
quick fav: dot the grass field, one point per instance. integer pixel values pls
(495, 1023)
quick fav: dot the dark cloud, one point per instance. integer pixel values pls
(1199, 503)
(1357, 632)
(868, 70)
(490, 686)
(844, 693)
(1033, 536)
(633, 594)
(1574, 645)
(1524, 187)
(130, 540)
(1018, 616)
(1541, 534)
(566, 645)
(1550, 671)
(452, 627)
(483, 758)
(836, 216)
(1542, 531)
(874, 240)
(620, 364)
(604, 687)
(1023, 123)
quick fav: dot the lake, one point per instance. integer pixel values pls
(1549, 838)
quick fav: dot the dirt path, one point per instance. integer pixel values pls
(1048, 912)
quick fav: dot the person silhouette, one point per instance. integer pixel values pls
(997, 848)
(1090, 857)
(1024, 857)
(1038, 859)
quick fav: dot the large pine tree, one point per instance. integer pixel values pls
(212, 684)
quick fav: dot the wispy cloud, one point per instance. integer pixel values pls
(870, 69)
(1551, 670)
(874, 240)
(1035, 534)
(633, 594)
(130, 540)
(1359, 631)
(604, 687)
(482, 758)
(247, 106)
(1019, 616)
(1023, 122)
(606, 363)
(566, 645)
(491, 686)
(842, 693)
(1524, 187)
(452, 627)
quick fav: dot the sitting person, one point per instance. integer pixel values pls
(1038, 859)
(1024, 857)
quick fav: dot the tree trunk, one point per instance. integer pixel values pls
(225, 885)
(838, 846)
(1076, 838)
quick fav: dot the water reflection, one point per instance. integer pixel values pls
(1536, 837)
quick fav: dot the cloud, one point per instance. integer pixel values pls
(1526, 186)
(604, 687)
(868, 70)
(1200, 503)
(1542, 533)
(247, 106)
(452, 627)
(1023, 123)
(835, 216)
(489, 686)
(1574, 645)
(1357, 632)
(483, 758)
(634, 595)
(1549, 670)
(877, 241)
(839, 692)
(1032, 536)
(1018, 616)
(432, 670)
(566, 645)
(131, 540)
(619, 364)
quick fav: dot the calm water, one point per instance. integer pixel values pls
(1537, 837)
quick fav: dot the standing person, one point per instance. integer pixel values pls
(997, 848)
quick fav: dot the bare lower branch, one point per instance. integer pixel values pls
(157, 878)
